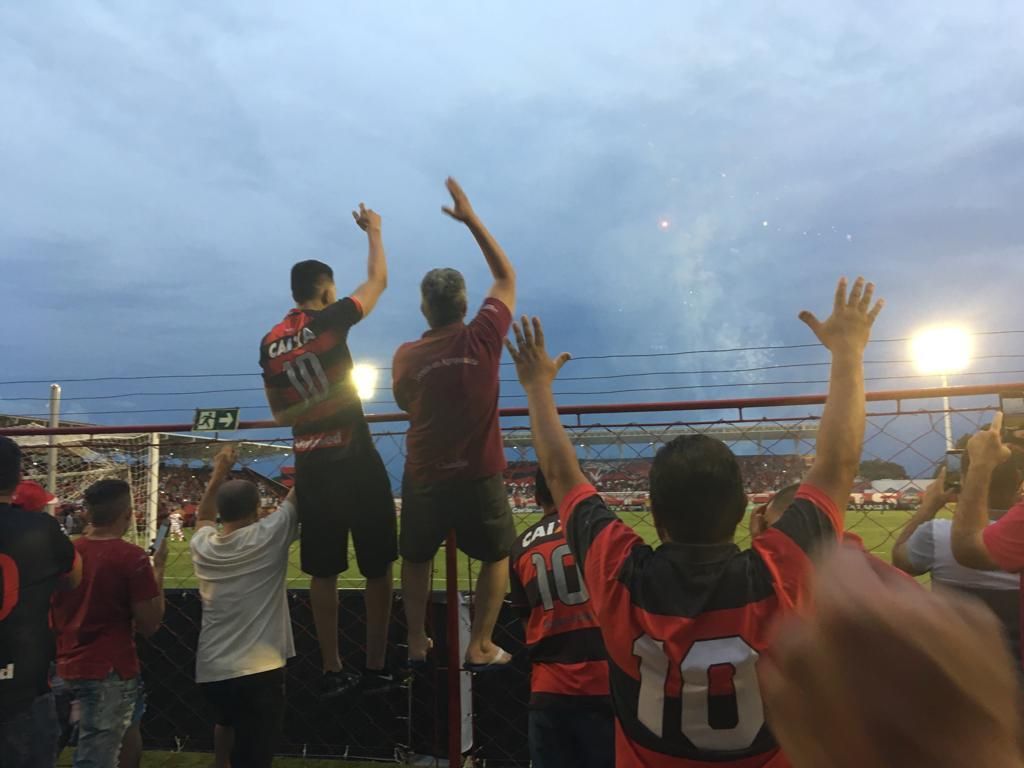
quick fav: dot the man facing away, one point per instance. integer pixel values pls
(924, 546)
(686, 623)
(341, 484)
(571, 722)
(36, 559)
(246, 635)
(121, 593)
(447, 381)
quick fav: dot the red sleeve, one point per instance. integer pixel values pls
(141, 579)
(1004, 540)
(492, 322)
(599, 540)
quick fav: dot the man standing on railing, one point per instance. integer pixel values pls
(341, 484)
(685, 624)
(447, 381)
(571, 723)
(246, 636)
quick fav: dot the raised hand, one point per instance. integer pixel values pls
(460, 209)
(533, 364)
(367, 219)
(225, 458)
(986, 447)
(849, 327)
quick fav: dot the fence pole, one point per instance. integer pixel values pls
(153, 497)
(51, 454)
(454, 653)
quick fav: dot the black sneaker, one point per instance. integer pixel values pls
(334, 684)
(378, 681)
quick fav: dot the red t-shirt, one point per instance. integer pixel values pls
(1004, 540)
(96, 634)
(569, 663)
(685, 625)
(447, 382)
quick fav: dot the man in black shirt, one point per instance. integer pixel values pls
(35, 559)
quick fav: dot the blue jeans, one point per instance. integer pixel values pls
(567, 737)
(105, 712)
(29, 739)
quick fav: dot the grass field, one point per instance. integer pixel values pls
(878, 529)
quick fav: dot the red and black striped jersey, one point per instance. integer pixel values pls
(307, 370)
(566, 651)
(684, 626)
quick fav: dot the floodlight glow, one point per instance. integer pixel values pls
(941, 350)
(364, 376)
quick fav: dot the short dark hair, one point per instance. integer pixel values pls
(697, 490)
(308, 277)
(541, 490)
(444, 296)
(107, 500)
(237, 500)
(10, 464)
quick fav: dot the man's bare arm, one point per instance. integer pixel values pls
(841, 432)
(970, 519)
(369, 292)
(504, 287)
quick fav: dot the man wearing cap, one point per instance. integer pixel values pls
(447, 381)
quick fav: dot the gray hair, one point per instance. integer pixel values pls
(444, 296)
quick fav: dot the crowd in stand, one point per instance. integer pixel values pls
(642, 656)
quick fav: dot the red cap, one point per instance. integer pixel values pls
(32, 496)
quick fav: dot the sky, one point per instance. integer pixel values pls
(666, 177)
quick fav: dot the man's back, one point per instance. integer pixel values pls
(34, 553)
(448, 383)
(684, 626)
(246, 624)
(95, 621)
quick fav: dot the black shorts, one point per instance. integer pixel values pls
(478, 510)
(335, 496)
(254, 706)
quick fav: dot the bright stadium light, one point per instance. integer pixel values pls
(364, 376)
(940, 351)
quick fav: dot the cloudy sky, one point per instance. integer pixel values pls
(163, 164)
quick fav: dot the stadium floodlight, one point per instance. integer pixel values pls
(364, 376)
(942, 350)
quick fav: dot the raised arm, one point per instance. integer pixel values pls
(841, 432)
(537, 371)
(222, 464)
(504, 287)
(369, 292)
(986, 451)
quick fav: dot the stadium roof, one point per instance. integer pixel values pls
(630, 435)
(173, 446)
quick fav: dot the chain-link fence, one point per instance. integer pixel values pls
(906, 440)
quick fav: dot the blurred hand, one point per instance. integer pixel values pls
(367, 219)
(936, 496)
(533, 364)
(225, 458)
(460, 210)
(849, 327)
(859, 682)
(160, 556)
(986, 447)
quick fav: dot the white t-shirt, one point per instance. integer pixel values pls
(246, 628)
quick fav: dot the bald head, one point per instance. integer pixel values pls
(238, 500)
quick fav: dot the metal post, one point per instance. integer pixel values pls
(153, 496)
(947, 416)
(51, 460)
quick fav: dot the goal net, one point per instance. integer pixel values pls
(84, 459)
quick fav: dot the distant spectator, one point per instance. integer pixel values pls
(121, 593)
(571, 722)
(447, 382)
(924, 546)
(246, 636)
(36, 559)
(32, 497)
